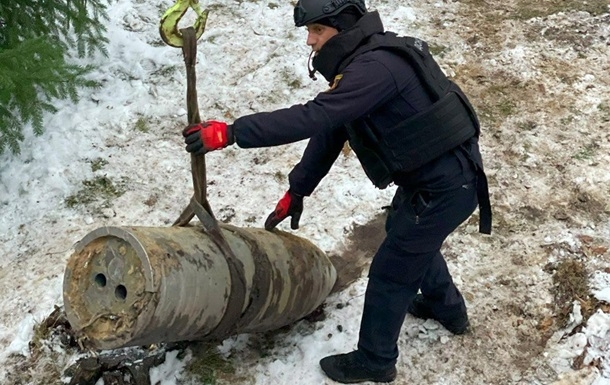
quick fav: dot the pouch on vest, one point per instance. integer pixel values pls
(366, 146)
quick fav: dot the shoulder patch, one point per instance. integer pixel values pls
(335, 82)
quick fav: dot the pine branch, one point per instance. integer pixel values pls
(65, 19)
(35, 40)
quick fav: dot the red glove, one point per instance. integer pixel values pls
(208, 136)
(291, 205)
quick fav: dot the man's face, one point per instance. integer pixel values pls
(318, 35)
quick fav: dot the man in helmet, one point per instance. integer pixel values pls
(409, 125)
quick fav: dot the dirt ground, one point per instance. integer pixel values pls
(538, 73)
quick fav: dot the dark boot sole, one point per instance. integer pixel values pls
(340, 374)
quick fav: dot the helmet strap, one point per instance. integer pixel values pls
(312, 71)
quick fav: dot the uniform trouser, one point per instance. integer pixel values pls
(409, 259)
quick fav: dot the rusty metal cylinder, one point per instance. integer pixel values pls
(127, 286)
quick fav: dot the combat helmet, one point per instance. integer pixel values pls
(311, 11)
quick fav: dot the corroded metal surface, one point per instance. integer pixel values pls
(127, 286)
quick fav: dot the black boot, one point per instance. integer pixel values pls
(348, 369)
(421, 308)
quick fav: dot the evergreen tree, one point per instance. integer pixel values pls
(36, 37)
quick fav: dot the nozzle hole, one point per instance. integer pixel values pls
(120, 292)
(100, 279)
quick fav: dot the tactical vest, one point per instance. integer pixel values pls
(410, 144)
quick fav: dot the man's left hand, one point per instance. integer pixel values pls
(291, 205)
(207, 136)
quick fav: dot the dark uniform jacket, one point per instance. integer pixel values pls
(378, 85)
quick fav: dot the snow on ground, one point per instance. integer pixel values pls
(547, 159)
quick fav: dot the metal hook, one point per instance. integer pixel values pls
(169, 22)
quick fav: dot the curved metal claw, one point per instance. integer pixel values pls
(169, 22)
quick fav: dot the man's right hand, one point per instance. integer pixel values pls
(201, 138)
(291, 205)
